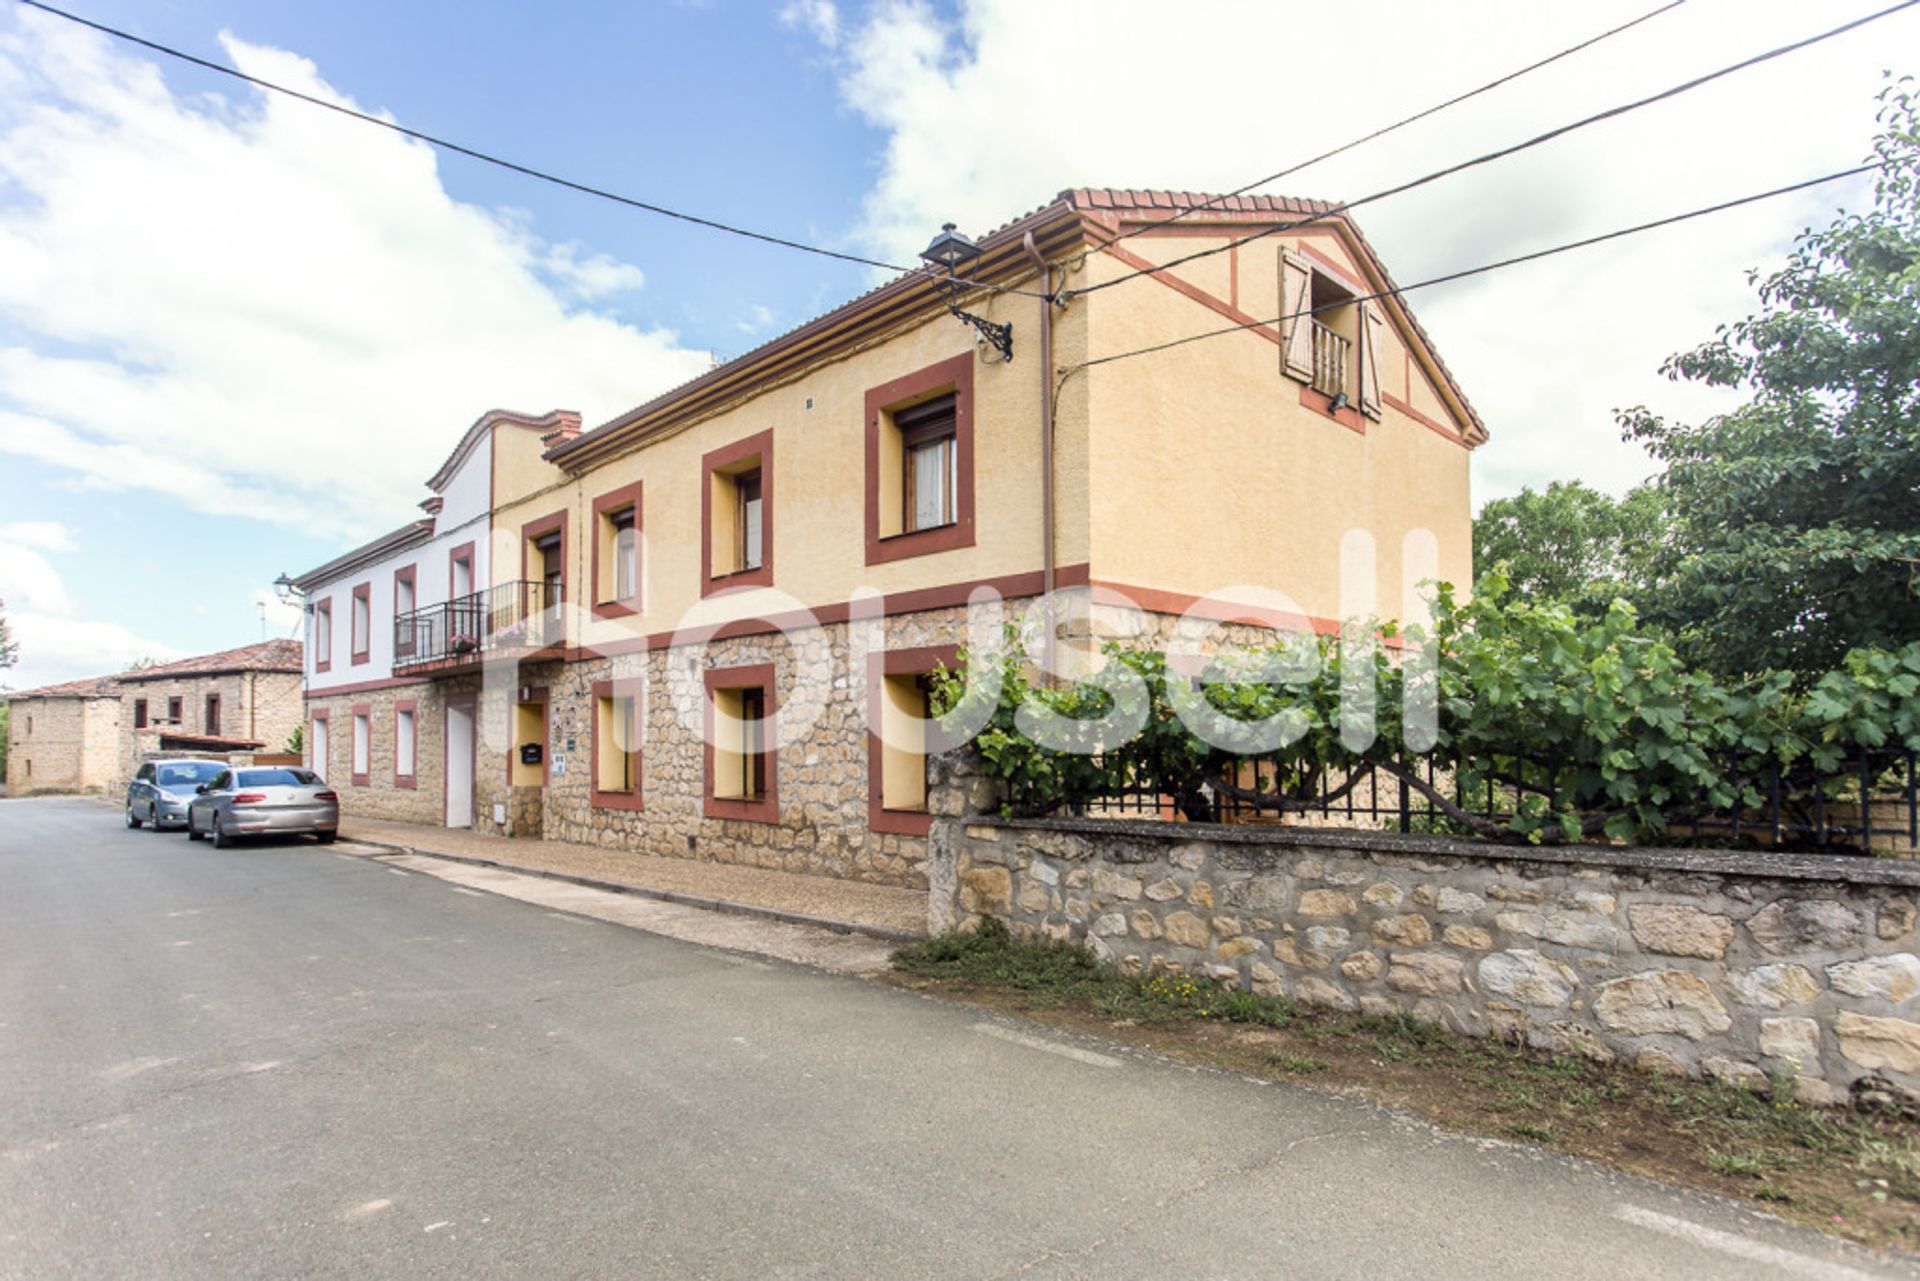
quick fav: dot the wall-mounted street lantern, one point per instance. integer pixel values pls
(284, 589)
(951, 251)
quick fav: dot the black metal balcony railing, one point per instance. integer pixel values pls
(514, 617)
(1329, 360)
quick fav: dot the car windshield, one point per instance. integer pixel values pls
(277, 778)
(187, 773)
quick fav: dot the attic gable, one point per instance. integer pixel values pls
(1245, 282)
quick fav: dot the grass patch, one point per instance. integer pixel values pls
(1851, 1172)
(990, 954)
(1739, 1165)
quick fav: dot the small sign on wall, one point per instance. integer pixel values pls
(500, 815)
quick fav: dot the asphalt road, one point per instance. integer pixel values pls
(278, 1061)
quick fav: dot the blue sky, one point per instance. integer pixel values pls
(235, 336)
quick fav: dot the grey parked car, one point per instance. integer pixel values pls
(160, 791)
(280, 800)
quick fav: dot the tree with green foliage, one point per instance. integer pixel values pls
(1571, 543)
(9, 648)
(1795, 530)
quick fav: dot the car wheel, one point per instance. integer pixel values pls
(220, 838)
(326, 838)
(153, 816)
(132, 820)
(193, 833)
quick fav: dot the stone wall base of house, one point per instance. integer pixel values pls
(386, 794)
(1748, 967)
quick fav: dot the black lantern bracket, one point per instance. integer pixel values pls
(952, 251)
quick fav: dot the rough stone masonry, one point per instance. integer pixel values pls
(1738, 965)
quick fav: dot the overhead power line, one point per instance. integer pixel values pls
(1484, 268)
(1215, 201)
(475, 153)
(1490, 156)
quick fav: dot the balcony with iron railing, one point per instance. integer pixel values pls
(1330, 351)
(518, 619)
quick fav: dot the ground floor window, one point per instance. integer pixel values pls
(742, 757)
(362, 743)
(901, 735)
(317, 756)
(405, 743)
(618, 709)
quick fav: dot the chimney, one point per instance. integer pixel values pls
(562, 425)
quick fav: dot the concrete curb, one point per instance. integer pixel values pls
(885, 933)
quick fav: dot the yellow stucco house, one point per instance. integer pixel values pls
(668, 649)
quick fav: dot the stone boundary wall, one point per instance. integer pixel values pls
(1701, 962)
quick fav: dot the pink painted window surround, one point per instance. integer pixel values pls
(323, 635)
(362, 622)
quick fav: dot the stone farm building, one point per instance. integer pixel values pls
(527, 657)
(90, 735)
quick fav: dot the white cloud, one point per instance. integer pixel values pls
(28, 580)
(593, 277)
(986, 119)
(46, 535)
(55, 644)
(758, 319)
(819, 17)
(255, 306)
(54, 650)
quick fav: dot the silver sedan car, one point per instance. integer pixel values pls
(278, 800)
(160, 791)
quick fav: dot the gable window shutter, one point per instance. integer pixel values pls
(1371, 322)
(1296, 326)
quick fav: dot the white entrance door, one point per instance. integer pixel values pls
(460, 766)
(319, 753)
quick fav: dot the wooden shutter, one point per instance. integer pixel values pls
(1371, 322)
(1296, 326)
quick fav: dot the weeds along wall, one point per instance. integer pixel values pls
(1748, 967)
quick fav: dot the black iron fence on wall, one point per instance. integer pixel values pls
(1870, 803)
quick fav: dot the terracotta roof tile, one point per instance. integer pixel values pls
(267, 656)
(87, 687)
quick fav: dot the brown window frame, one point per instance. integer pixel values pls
(896, 662)
(319, 716)
(461, 555)
(410, 575)
(728, 460)
(360, 776)
(622, 687)
(766, 807)
(323, 635)
(608, 508)
(176, 709)
(411, 707)
(531, 532)
(210, 715)
(362, 595)
(952, 376)
(139, 713)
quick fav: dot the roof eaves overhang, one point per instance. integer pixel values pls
(1003, 258)
(409, 535)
